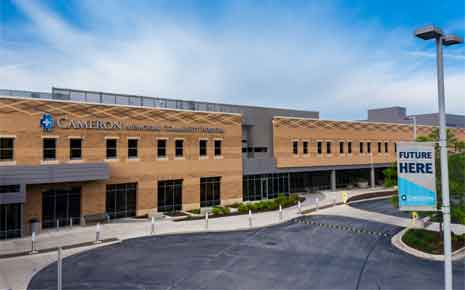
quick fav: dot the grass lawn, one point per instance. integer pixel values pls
(430, 242)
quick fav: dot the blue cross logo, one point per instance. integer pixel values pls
(46, 122)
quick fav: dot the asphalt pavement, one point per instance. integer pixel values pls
(312, 252)
(383, 206)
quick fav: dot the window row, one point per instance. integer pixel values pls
(49, 148)
(343, 147)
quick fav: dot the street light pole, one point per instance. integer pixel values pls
(444, 167)
(426, 33)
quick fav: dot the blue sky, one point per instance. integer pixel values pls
(337, 57)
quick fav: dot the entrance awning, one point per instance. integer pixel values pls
(53, 173)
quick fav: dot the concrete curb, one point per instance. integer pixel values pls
(397, 242)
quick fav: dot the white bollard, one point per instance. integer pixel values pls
(33, 243)
(152, 228)
(206, 220)
(97, 234)
(280, 213)
(71, 222)
(60, 269)
(317, 200)
(299, 206)
(250, 218)
(58, 225)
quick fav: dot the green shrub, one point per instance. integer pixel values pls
(195, 211)
(458, 215)
(226, 210)
(217, 211)
(281, 199)
(243, 208)
(394, 200)
(220, 210)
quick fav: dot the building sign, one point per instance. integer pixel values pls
(416, 176)
(47, 123)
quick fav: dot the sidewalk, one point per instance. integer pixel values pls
(132, 229)
(348, 211)
(16, 272)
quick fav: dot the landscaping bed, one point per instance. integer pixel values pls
(372, 195)
(243, 208)
(430, 242)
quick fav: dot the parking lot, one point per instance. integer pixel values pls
(317, 252)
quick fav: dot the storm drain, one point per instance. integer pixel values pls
(342, 228)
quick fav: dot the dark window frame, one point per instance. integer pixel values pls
(305, 147)
(203, 148)
(349, 147)
(386, 147)
(218, 144)
(162, 145)
(210, 191)
(75, 148)
(133, 148)
(341, 147)
(179, 148)
(361, 148)
(319, 147)
(295, 147)
(111, 149)
(328, 147)
(7, 152)
(49, 150)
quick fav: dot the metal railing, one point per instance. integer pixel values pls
(122, 99)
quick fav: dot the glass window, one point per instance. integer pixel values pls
(169, 195)
(10, 188)
(132, 148)
(361, 147)
(210, 191)
(49, 148)
(395, 147)
(75, 148)
(349, 147)
(108, 99)
(135, 101)
(379, 147)
(203, 148)
(93, 97)
(341, 147)
(161, 148)
(319, 146)
(121, 200)
(305, 147)
(78, 96)
(112, 148)
(179, 148)
(369, 147)
(6, 148)
(328, 147)
(122, 100)
(295, 147)
(217, 147)
(386, 147)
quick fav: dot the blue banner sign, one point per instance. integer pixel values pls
(416, 176)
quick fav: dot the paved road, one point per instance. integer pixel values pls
(383, 206)
(294, 255)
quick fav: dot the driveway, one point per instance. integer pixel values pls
(313, 252)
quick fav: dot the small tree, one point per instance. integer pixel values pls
(390, 176)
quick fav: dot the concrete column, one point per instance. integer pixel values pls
(333, 180)
(372, 176)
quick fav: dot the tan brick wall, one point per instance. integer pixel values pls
(286, 130)
(20, 118)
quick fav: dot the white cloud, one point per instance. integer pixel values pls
(314, 59)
